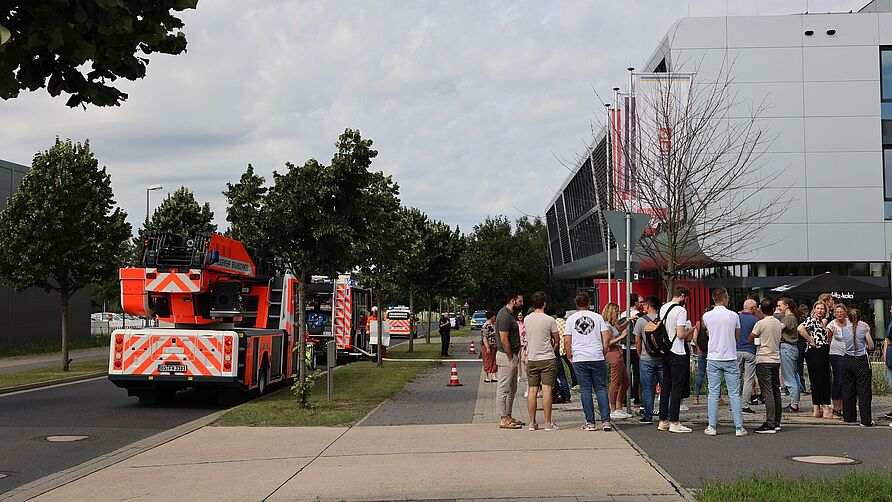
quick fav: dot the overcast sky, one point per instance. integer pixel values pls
(471, 104)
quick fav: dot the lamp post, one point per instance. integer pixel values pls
(150, 188)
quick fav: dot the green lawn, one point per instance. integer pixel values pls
(421, 350)
(50, 347)
(52, 373)
(866, 486)
(358, 388)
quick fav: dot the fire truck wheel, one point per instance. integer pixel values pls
(262, 379)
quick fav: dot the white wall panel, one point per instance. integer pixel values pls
(842, 134)
(781, 169)
(697, 32)
(847, 242)
(778, 134)
(767, 64)
(839, 99)
(841, 63)
(775, 242)
(765, 31)
(707, 63)
(845, 169)
(779, 99)
(884, 22)
(845, 204)
(855, 29)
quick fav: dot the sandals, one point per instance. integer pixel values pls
(510, 425)
(517, 422)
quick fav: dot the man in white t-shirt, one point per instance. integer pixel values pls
(676, 365)
(542, 340)
(585, 343)
(721, 361)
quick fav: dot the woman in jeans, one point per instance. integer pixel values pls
(856, 373)
(817, 357)
(619, 378)
(839, 328)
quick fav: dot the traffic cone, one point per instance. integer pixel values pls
(453, 379)
(473, 350)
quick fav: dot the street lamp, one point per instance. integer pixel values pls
(150, 188)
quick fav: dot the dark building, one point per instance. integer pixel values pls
(34, 315)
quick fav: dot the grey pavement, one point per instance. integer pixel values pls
(23, 363)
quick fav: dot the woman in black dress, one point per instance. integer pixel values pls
(817, 357)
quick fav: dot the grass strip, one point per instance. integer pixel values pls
(358, 388)
(30, 349)
(854, 486)
(53, 373)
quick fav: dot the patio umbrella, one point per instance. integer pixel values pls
(840, 286)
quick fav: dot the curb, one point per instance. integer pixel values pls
(62, 478)
(50, 383)
(682, 491)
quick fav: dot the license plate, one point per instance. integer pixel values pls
(172, 368)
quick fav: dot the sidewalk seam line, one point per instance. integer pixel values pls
(307, 464)
(682, 491)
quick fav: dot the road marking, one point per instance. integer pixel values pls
(53, 386)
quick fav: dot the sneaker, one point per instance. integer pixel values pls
(575, 387)
(534, 427)
(887, 415)
(754, 401)
(710, 431)
(871, 424)
(890, 425)
(526, 394)
(663, 425)
(777, 428)
(765, 429)
(740, 432)
(619, 415)
(747, 410)
(683, 407)
(589, 427)
(607, 427)
(551, 427)
(790, 409)
(646, 421)
(678, 428)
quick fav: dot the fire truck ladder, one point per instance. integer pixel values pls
(275, 301)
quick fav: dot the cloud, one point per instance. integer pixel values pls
(471, 104)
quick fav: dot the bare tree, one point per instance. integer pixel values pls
(695, 163)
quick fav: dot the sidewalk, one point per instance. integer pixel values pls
(23, 363)
(452, 450)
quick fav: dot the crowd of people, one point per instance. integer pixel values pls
(760, 353)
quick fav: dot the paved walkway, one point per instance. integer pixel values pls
(23, 363)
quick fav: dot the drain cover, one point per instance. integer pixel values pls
(6, 474)
(825, 459)
(62, 438)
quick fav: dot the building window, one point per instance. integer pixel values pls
(886, 125)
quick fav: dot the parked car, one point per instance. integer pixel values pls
(117, 320)
(478, 318)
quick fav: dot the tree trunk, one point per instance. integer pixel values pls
(302, 325)
(380, 358)
(412, 325)
(66, 362)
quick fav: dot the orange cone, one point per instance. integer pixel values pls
(453, 379)
(473, 350)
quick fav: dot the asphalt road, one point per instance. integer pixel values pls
(692, 457)
(95, 408)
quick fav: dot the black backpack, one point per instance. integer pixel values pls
(656, 339)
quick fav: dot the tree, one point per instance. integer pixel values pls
(697, 172)
(79, 47)
(246, 199)
(105, 293)
(181, 214)
(317, 216)
(415, 259)
(61, 230)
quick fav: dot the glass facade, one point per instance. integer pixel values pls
(886, 124)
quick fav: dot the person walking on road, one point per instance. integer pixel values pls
(817, 357)
(542, 339)
(508, 358)
(445, 328)
(768, 331)
(585, 343)
(721, 361)
(490, 347)
(789, 352)
(651, 368)
(746, 353)
(856, 372)
(619, 377)
(676, 373)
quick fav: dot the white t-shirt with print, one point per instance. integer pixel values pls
(678, 317)
(585, 328)
(722, 325)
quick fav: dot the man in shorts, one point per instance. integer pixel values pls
(542, 339)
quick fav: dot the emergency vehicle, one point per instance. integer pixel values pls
(337, 309)
(399, 320)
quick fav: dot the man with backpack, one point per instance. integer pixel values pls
(673, 329)
(650, 366)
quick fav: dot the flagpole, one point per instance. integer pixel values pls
(623, 161)
(609, 198)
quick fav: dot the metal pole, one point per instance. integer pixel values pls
(609, 186)
(621, 147)
(331, 352)
(628, 308)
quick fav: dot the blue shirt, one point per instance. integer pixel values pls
(747, 322)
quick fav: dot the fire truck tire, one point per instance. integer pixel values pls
(263, 379)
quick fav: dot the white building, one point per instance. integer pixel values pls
(827, 81)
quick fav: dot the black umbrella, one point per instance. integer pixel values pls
(840, 286)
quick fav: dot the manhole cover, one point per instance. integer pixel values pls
(825, 459)
(6, 474)
(62, 438)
